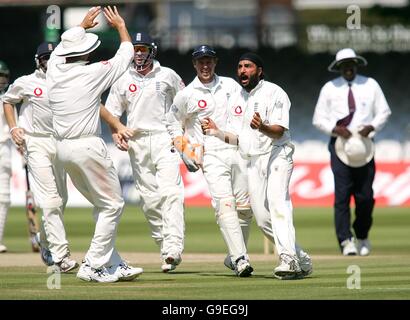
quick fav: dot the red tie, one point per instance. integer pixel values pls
(352, 108)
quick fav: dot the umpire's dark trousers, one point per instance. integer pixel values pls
(356, 182)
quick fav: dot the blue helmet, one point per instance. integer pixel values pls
(143, 60)
(43, 50)
(203, 51)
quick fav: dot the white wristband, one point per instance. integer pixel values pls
(11, 130)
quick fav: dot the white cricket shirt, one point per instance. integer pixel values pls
(146, 99)
(75, 90)
(196, 102)
(273, 105)
(332, 105)
(4, 128)
(35, 113)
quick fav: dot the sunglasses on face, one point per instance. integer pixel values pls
(142, 49)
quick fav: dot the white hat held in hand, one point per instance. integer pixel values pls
(343, 55)
(76, 42)
(356, 151)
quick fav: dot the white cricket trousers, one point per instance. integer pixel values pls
(269, 175)
(48, 183)
(225, 173)
(5, 175)
(92, 172)
(155, 167)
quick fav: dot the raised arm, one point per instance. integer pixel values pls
(117, 22)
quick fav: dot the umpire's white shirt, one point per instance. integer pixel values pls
(35, 115)
(332, 105)
(273, 105)
(146, 99)
(196, 102)
(75, 90)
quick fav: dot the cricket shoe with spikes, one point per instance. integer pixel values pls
(228, 263)
(288, 268)
(66, 264)
(124, 272)
(170, 262)
(305, 263)
(243, 267)
(87, 273)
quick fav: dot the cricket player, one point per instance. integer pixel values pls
(207, 96)
(74, 89)
(34, 134)
(5, 156)
(262, 133)
(145, 92)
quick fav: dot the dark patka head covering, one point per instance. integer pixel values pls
(252, 57)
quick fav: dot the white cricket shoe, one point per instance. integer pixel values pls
(363, 247)
(228, 263)
(3, 248)
(305, 264)
(288, 268)
(87, 273)
(170, 262)
(349, 247)
(66, 264)
(124, 272)
(243, 267)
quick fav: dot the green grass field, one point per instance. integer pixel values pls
(385, 274)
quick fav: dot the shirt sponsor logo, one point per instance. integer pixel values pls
(202, 104)
(38, 92)
(132, 87)
(105, 62)
(237, 110)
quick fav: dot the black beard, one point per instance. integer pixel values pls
(252, 83)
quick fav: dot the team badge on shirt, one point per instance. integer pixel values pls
(202, 104)
(38, 92)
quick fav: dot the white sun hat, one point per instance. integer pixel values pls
(343, 55)
(76, 42)
(355, 151)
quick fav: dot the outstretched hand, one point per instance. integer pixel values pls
(88, 21)
(113, 17)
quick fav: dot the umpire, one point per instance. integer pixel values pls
(351, 109)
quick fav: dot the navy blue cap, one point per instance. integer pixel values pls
(45, 48)
(203, 51)
(142, 38)
(252, 57)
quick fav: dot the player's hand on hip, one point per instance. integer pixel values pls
(342, 131)
(88, 21)
(113, 17)
(256, 121)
